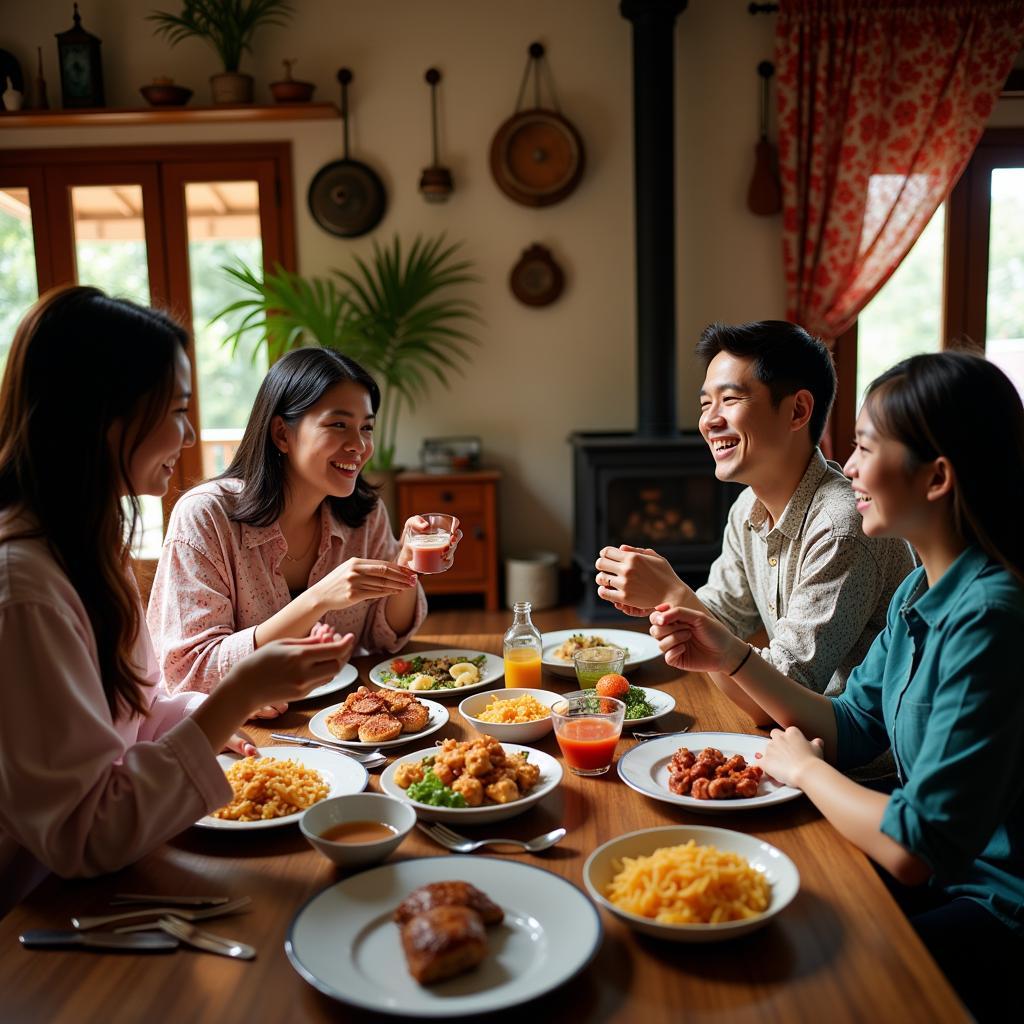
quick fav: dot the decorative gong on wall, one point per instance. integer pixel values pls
(537, 155)
(536, 280)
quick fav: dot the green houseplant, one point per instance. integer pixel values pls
(228, 26)
(395, 314)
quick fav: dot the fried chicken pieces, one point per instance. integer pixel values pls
(709, 775)
(443, 929)
(376, 717)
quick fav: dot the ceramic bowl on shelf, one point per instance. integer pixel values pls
(291, 91)
(166, 94)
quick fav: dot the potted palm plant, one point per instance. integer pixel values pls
(228, 26)
(396, 314)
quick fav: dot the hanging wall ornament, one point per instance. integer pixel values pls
(346, 197)
(537, 155)
(435, 181)
(536, 280)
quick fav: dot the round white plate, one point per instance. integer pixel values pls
(645, 769)
(780, 871)
(642, 648)
(346, 677)
(493, 670)
(661, 701)
(438, 719)
(344, 942)
(341, 773)
(550, 777)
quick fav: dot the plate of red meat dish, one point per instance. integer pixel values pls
(709, 772)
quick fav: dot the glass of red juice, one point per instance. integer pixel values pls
(587, 728)
(431, 546)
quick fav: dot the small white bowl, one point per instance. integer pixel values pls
(780, 871)
(510, 732)
(357, 807)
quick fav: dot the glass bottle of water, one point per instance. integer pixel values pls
(522, 650)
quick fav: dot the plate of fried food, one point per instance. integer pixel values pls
(709, 772)
(691, 883)
(378, 718)
(444, 936)
(472, 782)
(558, 647)
(279, 784)
(444, 673)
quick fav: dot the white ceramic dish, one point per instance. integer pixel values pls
(645, 769)
(341, 773)
(493, 670)
(550, 777)
(438, 720)
(357, 807)
(780, 871)
(516, 732)
(661, 701)
(345, 944)
(346, 677)
(642, 648)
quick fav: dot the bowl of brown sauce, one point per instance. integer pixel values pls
(359, 829)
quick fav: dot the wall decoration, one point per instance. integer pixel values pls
(764, 196)
(435, 181)
(12, 98)
(537, 280)
(42, 100)
(346, 197)
(81, 73)
(537, 155)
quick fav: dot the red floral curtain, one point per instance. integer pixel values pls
(880, 104)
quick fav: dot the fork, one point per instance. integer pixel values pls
(233, 907)
(639, 734)
(206, 941)
(373, 759)
(457, 843)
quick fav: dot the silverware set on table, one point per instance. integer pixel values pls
(458, 843)
(173, 925)
(371, 759)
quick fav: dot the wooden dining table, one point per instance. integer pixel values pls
(841, 951)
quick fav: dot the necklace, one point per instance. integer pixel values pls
(309, 547)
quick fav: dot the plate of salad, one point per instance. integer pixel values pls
(643, 704)
(453, 671)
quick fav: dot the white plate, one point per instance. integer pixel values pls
(661, 701)
(780, 871)
(493, 670)
(345, 944)
(550, 777)
(645, 769)
(346, 677)
(438, 719)
(642, 648)
(341, 773)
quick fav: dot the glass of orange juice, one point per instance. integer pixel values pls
(522, 647)
(587, 729)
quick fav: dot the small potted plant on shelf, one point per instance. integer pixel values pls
(228, 26)
(395, 314)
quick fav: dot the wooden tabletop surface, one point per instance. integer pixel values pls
(842, 951)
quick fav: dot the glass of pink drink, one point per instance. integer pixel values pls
(430, 547)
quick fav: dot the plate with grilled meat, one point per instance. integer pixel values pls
(375, 940)
(708, 772)
(378, 718)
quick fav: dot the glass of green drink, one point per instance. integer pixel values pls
(593, 662)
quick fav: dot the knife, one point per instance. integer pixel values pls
(123, 898)
(139, 942)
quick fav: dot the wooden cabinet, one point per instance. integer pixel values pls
(473, 499)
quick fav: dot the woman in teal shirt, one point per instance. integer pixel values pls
(939, 460)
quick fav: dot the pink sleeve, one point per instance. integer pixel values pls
(192, 620)
(75, 792)
(377, 635)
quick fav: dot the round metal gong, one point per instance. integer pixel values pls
(537, 157)
(347, 198)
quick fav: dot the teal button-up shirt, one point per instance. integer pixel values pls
(942, 685)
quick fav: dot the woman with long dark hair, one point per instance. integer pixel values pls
(290, 535)
(97, 766)
(939, 460)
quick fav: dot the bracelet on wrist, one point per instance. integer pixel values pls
(750, 651)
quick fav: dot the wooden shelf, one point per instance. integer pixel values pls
(103, 117)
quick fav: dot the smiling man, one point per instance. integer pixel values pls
(794, 560)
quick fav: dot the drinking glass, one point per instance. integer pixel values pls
(430, 547)
(587, 729)
(593, 662)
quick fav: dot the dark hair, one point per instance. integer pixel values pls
(951, 404)
(79, 362)
(293, 386)
(786, 358)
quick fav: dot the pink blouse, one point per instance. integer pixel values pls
(80, 793)
(217, 580)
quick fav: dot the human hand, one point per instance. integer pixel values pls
(417, 524)
(635, 580)
(361, 579)
(324, 633)
(694, 641)
(242, 743)
(788, 753)
(273, 710)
